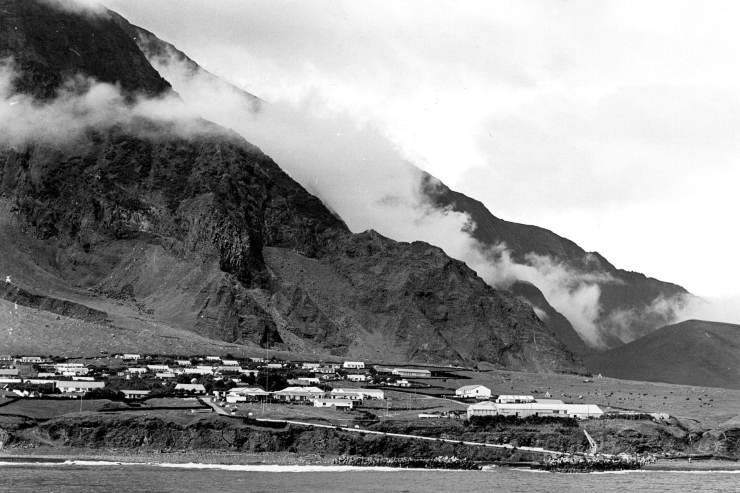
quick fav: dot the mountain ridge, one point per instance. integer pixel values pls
(621, 291)
(207, 233)
(693, 352)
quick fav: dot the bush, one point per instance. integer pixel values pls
(498, 421)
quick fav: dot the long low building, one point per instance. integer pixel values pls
(78, 386)
(335, 403)
(411, 372)
(357, 394)
(543, 407)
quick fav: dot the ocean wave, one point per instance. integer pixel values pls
(286, 468)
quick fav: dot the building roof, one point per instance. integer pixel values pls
(190, 386)
(247, 391)
(553, 405)
(467, 388)
(411, 370)
(483, 405)
(527, 398)
(300, 390)
(78, 384)
(344, 402)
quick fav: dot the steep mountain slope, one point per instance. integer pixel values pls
(160, 52)
(203, 232)
(52, 45)
(694, 352)
(626, 297)
(550, 316)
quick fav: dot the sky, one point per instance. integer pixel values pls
(614, 124)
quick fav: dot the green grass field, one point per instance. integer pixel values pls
(43, 409)
(709, 405)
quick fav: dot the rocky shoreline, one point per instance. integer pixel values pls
(52, 455)
(441, 462)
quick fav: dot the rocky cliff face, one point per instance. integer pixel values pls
(52, 45)
(205, 232)
(626, 298)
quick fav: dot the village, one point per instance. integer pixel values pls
(272, 388)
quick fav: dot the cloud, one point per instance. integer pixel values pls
(572, 115)
(675, 309)
(77, 6)
(572, 292)
(368, 181)
(350, 164)
(83, 104)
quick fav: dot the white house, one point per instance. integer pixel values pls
(135, 394)
(230, 362)
(299, 394)
(357, 378)
(31, 359)
(131, 356)
(473, 392)
(357, 394)
(514, 399)
(156, 368)
(401, 383)
(485, 408)
(347, 394)
(304, 381)
(335, 403)
(411, 372)
(69, 372)
(243, 394)
(78, 386)
(193, 388)
(61, 366)
(164, 374)
(183, 362)
(353, 365)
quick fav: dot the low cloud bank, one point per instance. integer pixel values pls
(83, 104)
(674, 310)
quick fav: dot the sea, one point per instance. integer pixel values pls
(91, 476)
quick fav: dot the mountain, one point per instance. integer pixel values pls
(161, 53)
(626, 298)
(550, 316)
(159, 232)
(694, 352)
(50, 46)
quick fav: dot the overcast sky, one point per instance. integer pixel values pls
(614, 124)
